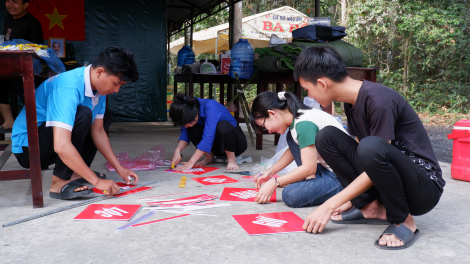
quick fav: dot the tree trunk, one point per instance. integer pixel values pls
(405, 65)
(343, 13)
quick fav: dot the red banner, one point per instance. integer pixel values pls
(60, 18)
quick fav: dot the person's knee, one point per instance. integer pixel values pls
(84, 116)
(223, 127)
(290, 196)
(325, 135)
(107, 119)
(370, 149)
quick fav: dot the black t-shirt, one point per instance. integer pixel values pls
(382, 112)
(26, 27)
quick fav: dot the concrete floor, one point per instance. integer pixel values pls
(205, 239)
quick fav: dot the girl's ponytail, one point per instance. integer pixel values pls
(268, 101)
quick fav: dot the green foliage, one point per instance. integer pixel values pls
(421, 47)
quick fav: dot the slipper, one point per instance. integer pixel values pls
(401, 232)
(67, 192)
(354, 216)
(221, 159)
(5, 130)
(82, 180)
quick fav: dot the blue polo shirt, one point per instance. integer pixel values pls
(57, 100)
(210, 114)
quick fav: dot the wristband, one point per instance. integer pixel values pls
(277, 183)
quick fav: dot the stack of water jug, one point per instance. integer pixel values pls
(242, 56)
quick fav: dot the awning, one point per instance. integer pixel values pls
(257, 29)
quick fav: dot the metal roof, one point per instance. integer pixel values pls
(181, 11)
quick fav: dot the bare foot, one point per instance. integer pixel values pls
(372, 210)
(231, 161)
(343, 208)
(391, 240)
(208, 158)
(7, 125)
(58, 183)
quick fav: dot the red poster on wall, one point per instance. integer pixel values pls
(60, 18)
(219, 179)
(109, 212)
(270, 223)
(242, 195)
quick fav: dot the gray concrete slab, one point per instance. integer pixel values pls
(205, 239)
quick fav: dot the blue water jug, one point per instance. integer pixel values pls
(185, 56)
(242, 56)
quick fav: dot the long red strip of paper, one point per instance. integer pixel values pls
(146, 223)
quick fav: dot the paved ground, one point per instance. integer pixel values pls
(205, 239)
(441, 145)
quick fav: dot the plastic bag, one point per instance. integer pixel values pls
(47, 55)
(275, 40)
(149, 160)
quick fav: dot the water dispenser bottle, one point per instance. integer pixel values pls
(242, 55)
(185, 56)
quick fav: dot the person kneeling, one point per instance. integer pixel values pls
(210, 127)
(72, 119)
(311, 183)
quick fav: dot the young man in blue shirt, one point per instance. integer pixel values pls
(72, 118)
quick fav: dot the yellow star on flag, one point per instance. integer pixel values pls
(56, 19)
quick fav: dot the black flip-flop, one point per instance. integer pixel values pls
(401, 232)
(82, 180)
(5, 130)
(67, 192)
(354, 216)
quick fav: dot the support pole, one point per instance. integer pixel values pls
(317, 8)
(237, 22)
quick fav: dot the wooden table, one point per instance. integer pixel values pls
(19, 64)
(223, 79)
(191, 78)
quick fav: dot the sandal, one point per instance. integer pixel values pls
(67, 192)
(401, 232)
(355, 216)
(82, 180)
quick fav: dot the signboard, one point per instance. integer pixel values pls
(270, 223)
(109, 212)
(242, 195)
(220, 179)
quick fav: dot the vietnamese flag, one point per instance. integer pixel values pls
(60, 18)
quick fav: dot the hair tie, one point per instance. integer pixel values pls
(281, 96)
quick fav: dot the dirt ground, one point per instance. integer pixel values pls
(441, 145)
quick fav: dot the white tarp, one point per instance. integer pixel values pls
(256, 28)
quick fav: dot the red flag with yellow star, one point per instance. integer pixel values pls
(60, 18)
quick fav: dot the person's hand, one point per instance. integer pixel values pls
(128, 175)
(109, 187)
(263, 177)
(187, 166)
(176, 158)
(317, 220)
(265, 193)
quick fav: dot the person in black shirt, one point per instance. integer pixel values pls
(18, 24)
(389, 172)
